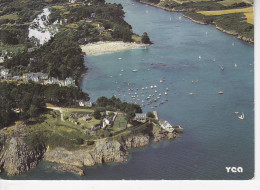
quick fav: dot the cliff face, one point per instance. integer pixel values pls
(103, 151)
(17, 157)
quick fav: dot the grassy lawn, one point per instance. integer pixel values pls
(119, 123)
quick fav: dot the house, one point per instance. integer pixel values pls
(4, 52)
(166, 126)
(2, 59)
(27, 75)
(72, 1)
(85, 103)
(140, 116)
(4, 72)
(16, 78)
(35, 78)
(106, 122)
(43, 76)
(69, 82)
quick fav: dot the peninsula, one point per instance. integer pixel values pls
(235, 17)
(44, 115)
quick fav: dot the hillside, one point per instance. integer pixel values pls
(235, 17)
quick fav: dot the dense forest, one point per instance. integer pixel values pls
(20, 102)
(62, 57)
(116, 104)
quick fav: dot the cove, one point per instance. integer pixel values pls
(214, 138)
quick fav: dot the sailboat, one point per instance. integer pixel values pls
(242, 116)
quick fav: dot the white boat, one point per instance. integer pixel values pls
(242, 116)
(119, 58)
(191, 93)
(155, 91)
(122, 70)
(199, 57)
(135, 70)
(235, 65)
(161, 80)
(220, 92)
(151, 86)
(167, 88)
(165, 93)
(233, 44)
(155, 86)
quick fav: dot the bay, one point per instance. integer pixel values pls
(192, 54)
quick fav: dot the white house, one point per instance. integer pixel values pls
(85, 103)
(4, 72)
(72, 1)
(2, 59)
(106, 122)
(140, 116)
(166, 126)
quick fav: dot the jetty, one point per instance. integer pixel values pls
(155, 115)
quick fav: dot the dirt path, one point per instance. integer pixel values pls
(59, 109)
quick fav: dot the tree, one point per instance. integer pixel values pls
(130, 116)
(145, 38)
(97, 114)
(150, 114)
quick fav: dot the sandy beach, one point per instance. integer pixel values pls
(108, 47)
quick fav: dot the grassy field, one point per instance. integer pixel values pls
(248, 12)
(230, 2)
(13, 16)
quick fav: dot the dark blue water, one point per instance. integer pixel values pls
(214, 137)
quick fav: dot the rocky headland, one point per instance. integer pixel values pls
(16, 157)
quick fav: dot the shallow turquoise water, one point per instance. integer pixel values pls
(213, 135)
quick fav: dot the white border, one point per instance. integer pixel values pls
(253, 184)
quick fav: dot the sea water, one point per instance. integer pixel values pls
(190, 57)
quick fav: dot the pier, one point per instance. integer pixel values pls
(155, 115)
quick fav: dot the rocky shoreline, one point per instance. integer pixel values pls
(16, 157)
(234, 33)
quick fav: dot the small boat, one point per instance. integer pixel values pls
(220, 92)
(160, 94)
(120, 74)
(151, 86)
(235, 65)
(167, 88)
(161, 80)
(242, 116)
(165, 93)
(122, 70)
(155, 91)
(199, 57)
(120, 58)
(222, 68)
(155, 86)
(191, 93)
(233, 44)
(135, 70)
(152, 107)
(214, 59)
(236, 112)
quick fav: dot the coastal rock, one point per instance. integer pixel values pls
(104, 151)
(68, 168)
(136, 141)
(18, 157)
